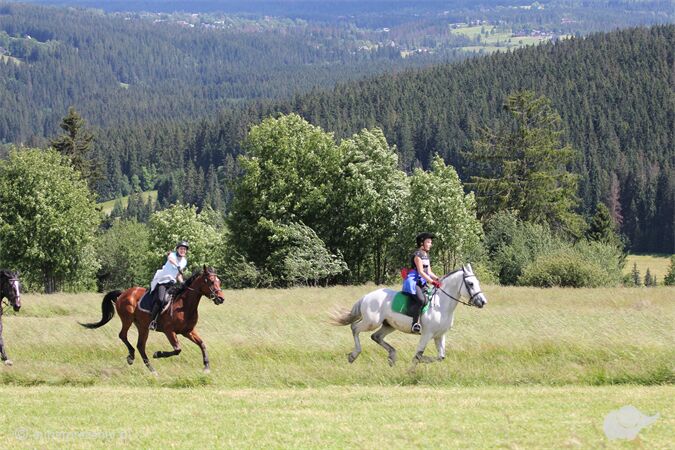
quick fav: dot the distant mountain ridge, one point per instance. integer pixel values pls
(614, 92)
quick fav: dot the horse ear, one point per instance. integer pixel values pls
(205, 270)
(468, 268)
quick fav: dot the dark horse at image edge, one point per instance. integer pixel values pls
(10, 288)
(179, 318)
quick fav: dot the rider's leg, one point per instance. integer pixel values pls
(418, 303)
(160, 292)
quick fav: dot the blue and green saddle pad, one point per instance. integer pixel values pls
(402, 304)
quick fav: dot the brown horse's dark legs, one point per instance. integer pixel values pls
(123, 337)
(194, 337)
(173, 340)
(142, 339)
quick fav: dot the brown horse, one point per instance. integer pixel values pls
(180, 318)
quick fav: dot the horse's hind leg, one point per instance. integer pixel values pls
(140, 345)
(126, 324)
(358, 327)
(378, 337)
(194, 337)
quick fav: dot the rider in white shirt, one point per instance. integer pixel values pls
(167, 276)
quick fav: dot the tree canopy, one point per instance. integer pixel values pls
(48, 219)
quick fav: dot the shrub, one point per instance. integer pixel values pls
(513, 244)
(123, 252)
(578, 266)
(239, 273)
(299, 256)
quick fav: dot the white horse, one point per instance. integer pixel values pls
(375, 310)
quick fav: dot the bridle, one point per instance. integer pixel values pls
(210, 283)
(466, 285)
(12, 282)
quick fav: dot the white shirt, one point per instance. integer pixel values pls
(169, 272)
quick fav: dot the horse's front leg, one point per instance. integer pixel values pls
(194, 337)
(173, 340)
(3, 355)
(440, 347)
(419, 355)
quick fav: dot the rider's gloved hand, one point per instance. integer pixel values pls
(436, 284)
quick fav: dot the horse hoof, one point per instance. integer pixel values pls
(154, 373)
(351, 358)
(156, 355)
(130, 360)
(207, 370)
(8, 362)
(392, 361)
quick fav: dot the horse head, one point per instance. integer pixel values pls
(471, 288)
(210, 285)
(10, 287)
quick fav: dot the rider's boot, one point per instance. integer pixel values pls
(154, 314)
(416, 327)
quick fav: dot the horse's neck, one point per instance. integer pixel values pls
(189, 298)
(451, 286)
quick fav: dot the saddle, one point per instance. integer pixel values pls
(402, 303)
(148, 299)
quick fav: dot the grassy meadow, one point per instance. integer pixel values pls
(108, 206)
(535, 368)
(658, 265)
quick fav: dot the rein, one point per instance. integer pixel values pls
(470, 302)
(214, 292)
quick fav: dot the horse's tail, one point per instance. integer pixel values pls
(347, 317)
(107, 310)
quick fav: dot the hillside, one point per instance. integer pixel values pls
(130, 68)
(613, 91)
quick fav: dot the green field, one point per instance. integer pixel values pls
(535, 368)
(107, 207)
(658, 265)
(492, 42)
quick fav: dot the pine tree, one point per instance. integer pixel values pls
(648, 278)
(601, 228)
(76, 144)
(669, 279)
(525, 166)
(635, 275)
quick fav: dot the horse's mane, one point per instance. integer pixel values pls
(7, 273)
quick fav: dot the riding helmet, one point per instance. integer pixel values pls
(422, 237)
(183, 244)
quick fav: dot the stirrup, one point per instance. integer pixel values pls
(416, 328)
(153, 325)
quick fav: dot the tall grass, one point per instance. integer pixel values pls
(281, 338)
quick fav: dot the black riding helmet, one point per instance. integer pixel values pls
(183, 244)
(422, 237)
